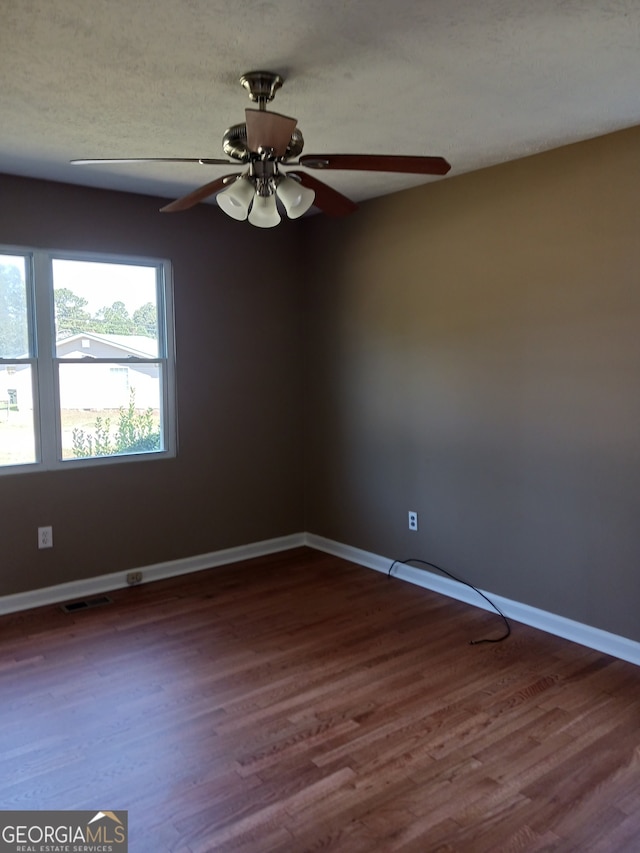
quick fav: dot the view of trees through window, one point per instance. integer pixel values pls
(108, 355)
(14, 340)
(126, 415)
(17, 429)
(72, 317)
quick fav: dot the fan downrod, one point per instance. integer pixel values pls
(261, 86)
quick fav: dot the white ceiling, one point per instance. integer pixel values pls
(476, 81)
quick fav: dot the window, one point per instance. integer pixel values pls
(86, 360)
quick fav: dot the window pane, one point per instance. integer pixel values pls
(17, 432)
(14, 331)
(110, 409)
(105, 310)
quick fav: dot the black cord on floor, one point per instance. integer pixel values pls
(410, 560)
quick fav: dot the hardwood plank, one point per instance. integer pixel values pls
(299, 702)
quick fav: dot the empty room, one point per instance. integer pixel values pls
(319, 472)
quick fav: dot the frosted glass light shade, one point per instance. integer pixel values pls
(235, 200)
(264, 212)
(295, 198)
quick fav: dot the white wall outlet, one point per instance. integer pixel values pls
(413, 520)
(134, 578)
(45, 537)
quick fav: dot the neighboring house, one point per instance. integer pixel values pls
(102, 386)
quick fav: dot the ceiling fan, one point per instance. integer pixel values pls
(266, 144)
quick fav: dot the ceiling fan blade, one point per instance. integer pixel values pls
(205, 161)
(269, 130)
(330, 201)
(200, 194)
(377, 163)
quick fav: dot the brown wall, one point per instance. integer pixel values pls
(237, 478)
(472, 353)
(475, 356)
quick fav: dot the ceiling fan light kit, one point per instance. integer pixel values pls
(295, 198)
(236, 199)
(267, 142)
(264, 211)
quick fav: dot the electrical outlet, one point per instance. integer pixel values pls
(45, 537)
(134, 578)
(413, 520)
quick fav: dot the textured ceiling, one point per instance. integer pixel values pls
(476, 81)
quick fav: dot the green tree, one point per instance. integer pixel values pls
(71, 315)
(14, 339)
(115, 320)
(145, 320)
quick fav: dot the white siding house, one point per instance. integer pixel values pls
(94, 386)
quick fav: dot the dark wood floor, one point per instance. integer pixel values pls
(301, 703)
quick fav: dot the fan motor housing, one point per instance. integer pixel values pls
(234, 144)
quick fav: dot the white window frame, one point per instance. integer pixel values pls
(44, 361)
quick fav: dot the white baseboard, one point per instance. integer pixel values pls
(577, 632)
(106, 583)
